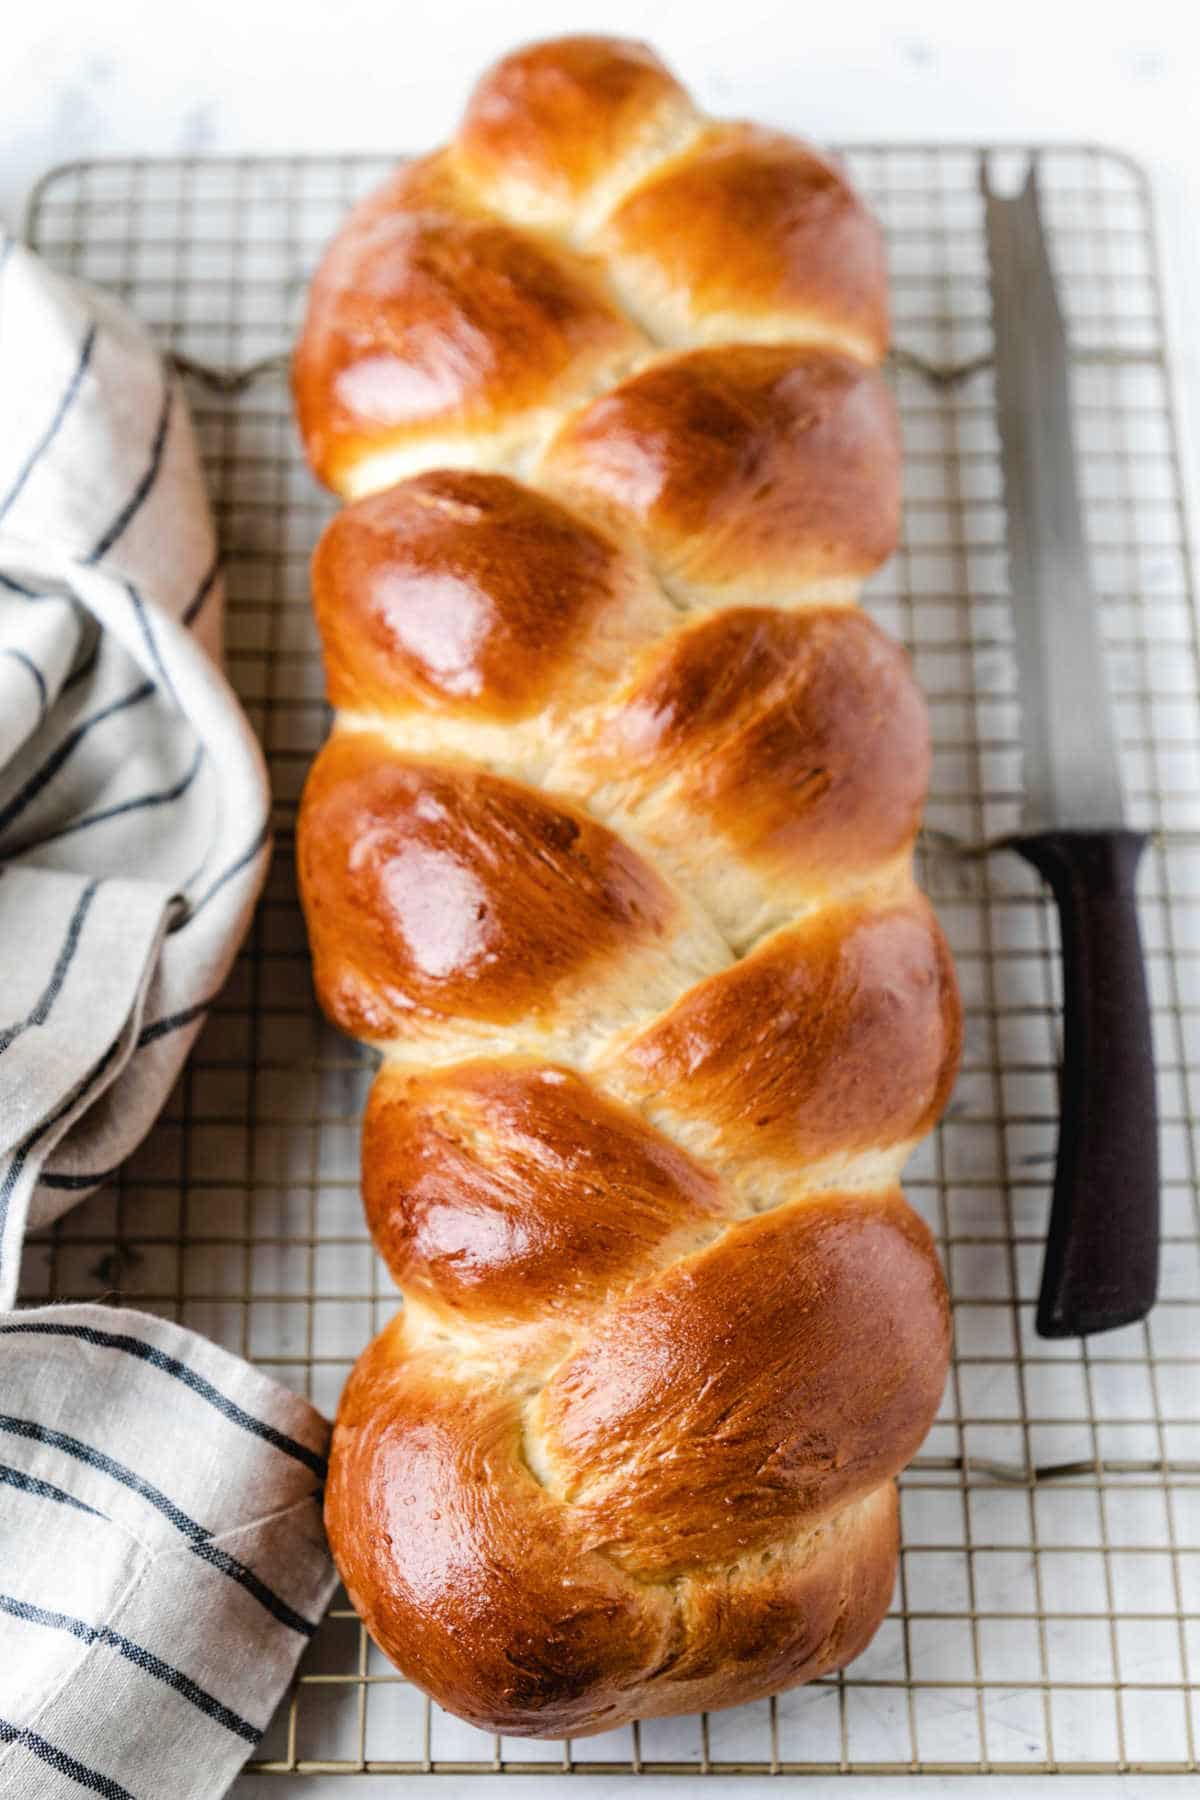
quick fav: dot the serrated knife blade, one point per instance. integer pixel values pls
(1072, 774)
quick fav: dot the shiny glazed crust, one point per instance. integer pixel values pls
(610, 854)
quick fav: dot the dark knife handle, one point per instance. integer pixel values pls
(1101, 1266)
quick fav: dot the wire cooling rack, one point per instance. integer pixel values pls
(1047, 1614)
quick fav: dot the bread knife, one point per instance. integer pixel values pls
(1101, 1262)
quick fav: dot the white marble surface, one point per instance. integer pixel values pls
(128, 77)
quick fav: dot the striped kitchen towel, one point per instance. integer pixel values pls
(162, 1563)
(133, 799)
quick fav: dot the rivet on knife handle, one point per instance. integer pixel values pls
(1101, 1265)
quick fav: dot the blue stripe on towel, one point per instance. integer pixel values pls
(208, 582)
(39, 680)
(235, 868)
(17, 1161)
(198, 1537)
(170, 1365)
(141, 492)
(143, 619)
(139, 1656)
(161, 797)
(78, 1183)
(173, 1022)
(51, 432)
(58, 975)
(43, 1490)
(43, 775)
(63, 1764)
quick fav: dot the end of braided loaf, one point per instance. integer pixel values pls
(610, 854)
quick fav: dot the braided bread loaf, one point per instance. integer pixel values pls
(610, 855)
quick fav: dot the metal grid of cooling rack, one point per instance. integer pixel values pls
(1048, 1610)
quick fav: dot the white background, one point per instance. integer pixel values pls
(145, 77)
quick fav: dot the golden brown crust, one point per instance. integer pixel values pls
(512, 1190)
(435, 324)
(463, 1568)
(751, 234)
(550, 121)
(752, 470)
(802, 736)
(467, 593)
(838, 1036)
(434, 890)
(483, 1589)
(705, 1418)
(802, 1612)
